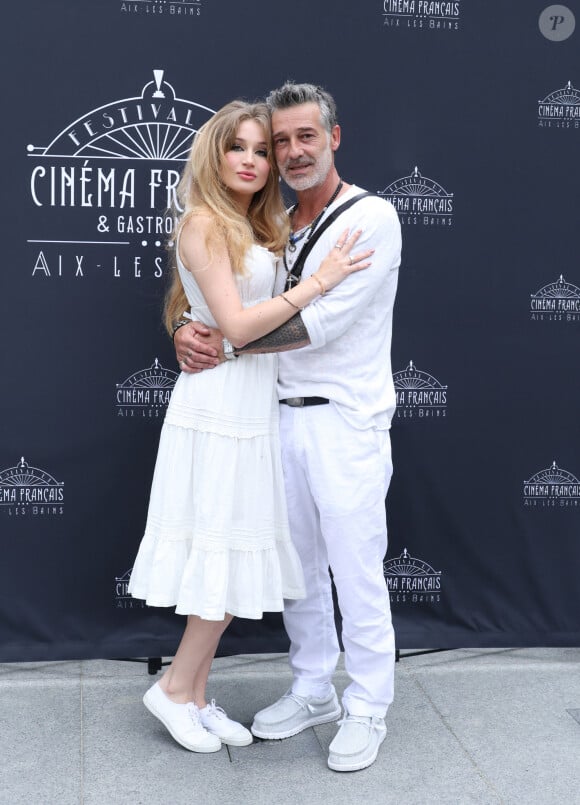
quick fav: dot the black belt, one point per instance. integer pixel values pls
(300, 402)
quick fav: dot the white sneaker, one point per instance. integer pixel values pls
(215, 720)
(292, 713)
(357, 742)
(182, 720)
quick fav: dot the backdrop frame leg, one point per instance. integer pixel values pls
(399, 656)
(154, 664)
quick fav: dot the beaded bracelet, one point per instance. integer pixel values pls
(178, 324)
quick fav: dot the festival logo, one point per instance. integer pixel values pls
(560, 109)
(180, 9)
(145, 394)
(557, 301)
(419, 395)
(122, 597)
(102, 188)
(30, 491)
(552, 487)
(411, 580)
(420, 200)
(426, 15)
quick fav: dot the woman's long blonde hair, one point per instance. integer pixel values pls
(202, 191)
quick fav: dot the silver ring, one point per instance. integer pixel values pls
(350, 260)
(182, 364)
(338, 246)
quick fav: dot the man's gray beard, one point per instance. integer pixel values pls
(321, 171)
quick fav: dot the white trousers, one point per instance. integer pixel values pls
(336, 480)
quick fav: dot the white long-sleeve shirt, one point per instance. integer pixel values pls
(349, 357)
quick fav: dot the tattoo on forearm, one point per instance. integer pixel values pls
(291, 335)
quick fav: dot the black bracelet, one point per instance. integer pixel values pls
(177, 325)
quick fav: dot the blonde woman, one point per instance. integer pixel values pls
(216, 543)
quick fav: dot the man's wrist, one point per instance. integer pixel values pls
(229, 350)
(177, 325)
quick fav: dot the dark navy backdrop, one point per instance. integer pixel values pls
(466, 116)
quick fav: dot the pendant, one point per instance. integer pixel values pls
(296, 237)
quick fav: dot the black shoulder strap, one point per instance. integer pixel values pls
(296, 273)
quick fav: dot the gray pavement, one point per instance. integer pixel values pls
(467, 726)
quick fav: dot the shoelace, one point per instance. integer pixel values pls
(301, 701)
(214, 710)
(193, 713)
(374, 721)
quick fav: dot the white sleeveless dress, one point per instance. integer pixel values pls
(217, 537)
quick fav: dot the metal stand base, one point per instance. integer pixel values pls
(399, 656)
(154, 664)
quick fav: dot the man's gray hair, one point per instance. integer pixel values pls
(291, 94)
